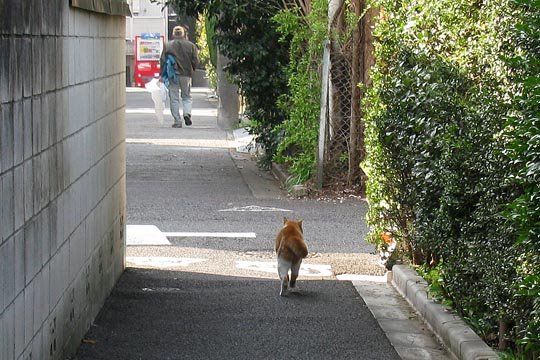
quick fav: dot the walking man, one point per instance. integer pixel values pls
(181, 55)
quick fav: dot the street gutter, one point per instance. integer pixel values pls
(451, 330)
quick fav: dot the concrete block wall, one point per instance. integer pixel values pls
(62, 173)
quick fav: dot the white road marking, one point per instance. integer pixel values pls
(251, 235)
(163, 262)
(255, 208)
(138, 235)
(271, 267)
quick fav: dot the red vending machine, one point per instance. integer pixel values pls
(148, 49)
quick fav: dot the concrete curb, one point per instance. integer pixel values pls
(241, 135)
(281, 174)
(452, 331)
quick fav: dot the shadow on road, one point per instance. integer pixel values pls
(154, 314)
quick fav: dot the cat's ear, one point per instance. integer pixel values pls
(285, 219)
(300, 222)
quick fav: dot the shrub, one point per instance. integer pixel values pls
(439, 173)
(298, 134)
(524, 150)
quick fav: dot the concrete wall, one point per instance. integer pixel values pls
(62, 173)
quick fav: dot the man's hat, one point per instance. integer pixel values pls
(179, 31)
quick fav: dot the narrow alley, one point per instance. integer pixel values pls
(201, 279)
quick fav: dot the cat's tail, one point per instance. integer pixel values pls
(299, 248)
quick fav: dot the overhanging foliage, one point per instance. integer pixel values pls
(246, 34)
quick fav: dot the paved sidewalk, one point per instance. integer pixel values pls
(404, 327)
(193, 310)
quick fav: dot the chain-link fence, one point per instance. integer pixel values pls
(341, 141)
(335, 117)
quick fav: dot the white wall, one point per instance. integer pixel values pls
(145, 8)
(148, 19)
(62, 173)
(148, 25)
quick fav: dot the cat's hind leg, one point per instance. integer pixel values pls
(283, 271)
(295, 269)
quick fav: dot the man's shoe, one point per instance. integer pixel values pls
(176, 125)
(187, 119)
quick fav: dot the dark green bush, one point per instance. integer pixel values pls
(246, 34)
(524, 149)
(440, 173)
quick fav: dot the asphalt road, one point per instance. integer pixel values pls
(211, 296)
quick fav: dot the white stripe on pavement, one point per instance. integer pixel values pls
(255, 208)
(162, 262)
(251, 235)
(138, 235)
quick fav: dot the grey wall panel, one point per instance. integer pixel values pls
(62, 173)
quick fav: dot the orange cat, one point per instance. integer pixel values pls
(290, 250)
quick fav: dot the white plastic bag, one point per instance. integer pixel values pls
(163, 91)
(159, 96)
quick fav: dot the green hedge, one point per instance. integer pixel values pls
(441, 176)
(524, 150)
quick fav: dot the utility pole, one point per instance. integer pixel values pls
(229, 106)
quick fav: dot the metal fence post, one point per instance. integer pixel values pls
(323, 119)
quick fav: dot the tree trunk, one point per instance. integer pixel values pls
(504, 326)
